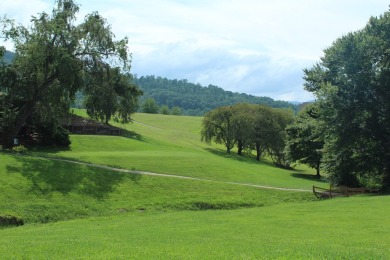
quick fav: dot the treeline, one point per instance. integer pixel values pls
(249, 127)
(194, 99)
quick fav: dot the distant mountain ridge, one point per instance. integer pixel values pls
(195, 99)
(8, 56)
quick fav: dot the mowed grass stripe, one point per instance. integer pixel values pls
(347, 228)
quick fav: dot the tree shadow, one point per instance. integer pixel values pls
(310, 177)
(234, 156)
(57, 149)
(48, 177)
(131, 134)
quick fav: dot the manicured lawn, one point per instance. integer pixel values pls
(347, 228)
(97, 213)
(171, 145)
(40, 190)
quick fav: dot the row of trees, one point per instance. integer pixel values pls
(54, 58)
(348, 128)
(249, 127)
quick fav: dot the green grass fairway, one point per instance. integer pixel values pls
(348, 228)
(79, 211)
(41, 190)
(171, 145)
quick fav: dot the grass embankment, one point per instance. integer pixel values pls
(41, 190)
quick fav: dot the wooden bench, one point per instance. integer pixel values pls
(338, 191)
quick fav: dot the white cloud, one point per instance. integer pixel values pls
(256, 47)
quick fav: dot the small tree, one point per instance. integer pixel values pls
(150, 106)
(176, 111)
(164, 110)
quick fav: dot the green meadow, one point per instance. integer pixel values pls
(83, 211)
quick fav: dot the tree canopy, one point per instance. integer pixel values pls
(54, 58)
(249, 127)
(305, 138)
(351, 83)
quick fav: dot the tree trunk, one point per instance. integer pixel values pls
(318, 173)
(21, 119)
(258, 152)
(240, 147)
(318, 170)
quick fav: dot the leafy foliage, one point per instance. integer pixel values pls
(194, 99)
(111, 93)
(351, 83)
(54, 58)
(248, 127)
(305, 138)
(218, 126)
(150, 106)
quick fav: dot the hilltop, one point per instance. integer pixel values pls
(195, 99)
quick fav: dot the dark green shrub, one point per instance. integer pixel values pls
(8, 220)
(61, 137)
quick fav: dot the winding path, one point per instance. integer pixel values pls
(166, 175)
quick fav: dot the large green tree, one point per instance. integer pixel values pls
(351, 83)
(53, 57)
(218, 126)
(242, 121)
(111, 94)
(281, 118)
(305, 141)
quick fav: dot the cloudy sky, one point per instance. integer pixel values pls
(256, 47)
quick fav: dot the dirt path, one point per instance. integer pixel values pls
(167, 175)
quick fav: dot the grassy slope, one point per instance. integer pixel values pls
(40, 190)
(171, 144)
(144, 217)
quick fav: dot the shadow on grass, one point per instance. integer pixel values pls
(132, 135)
(234, 156)
(48, 177)
(57, 149)
(310, 177)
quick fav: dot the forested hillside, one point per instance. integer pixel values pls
(195, 99)
(191, 98)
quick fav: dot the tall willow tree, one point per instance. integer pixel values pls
(351, 83)
(218, 126)
(53, 58)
